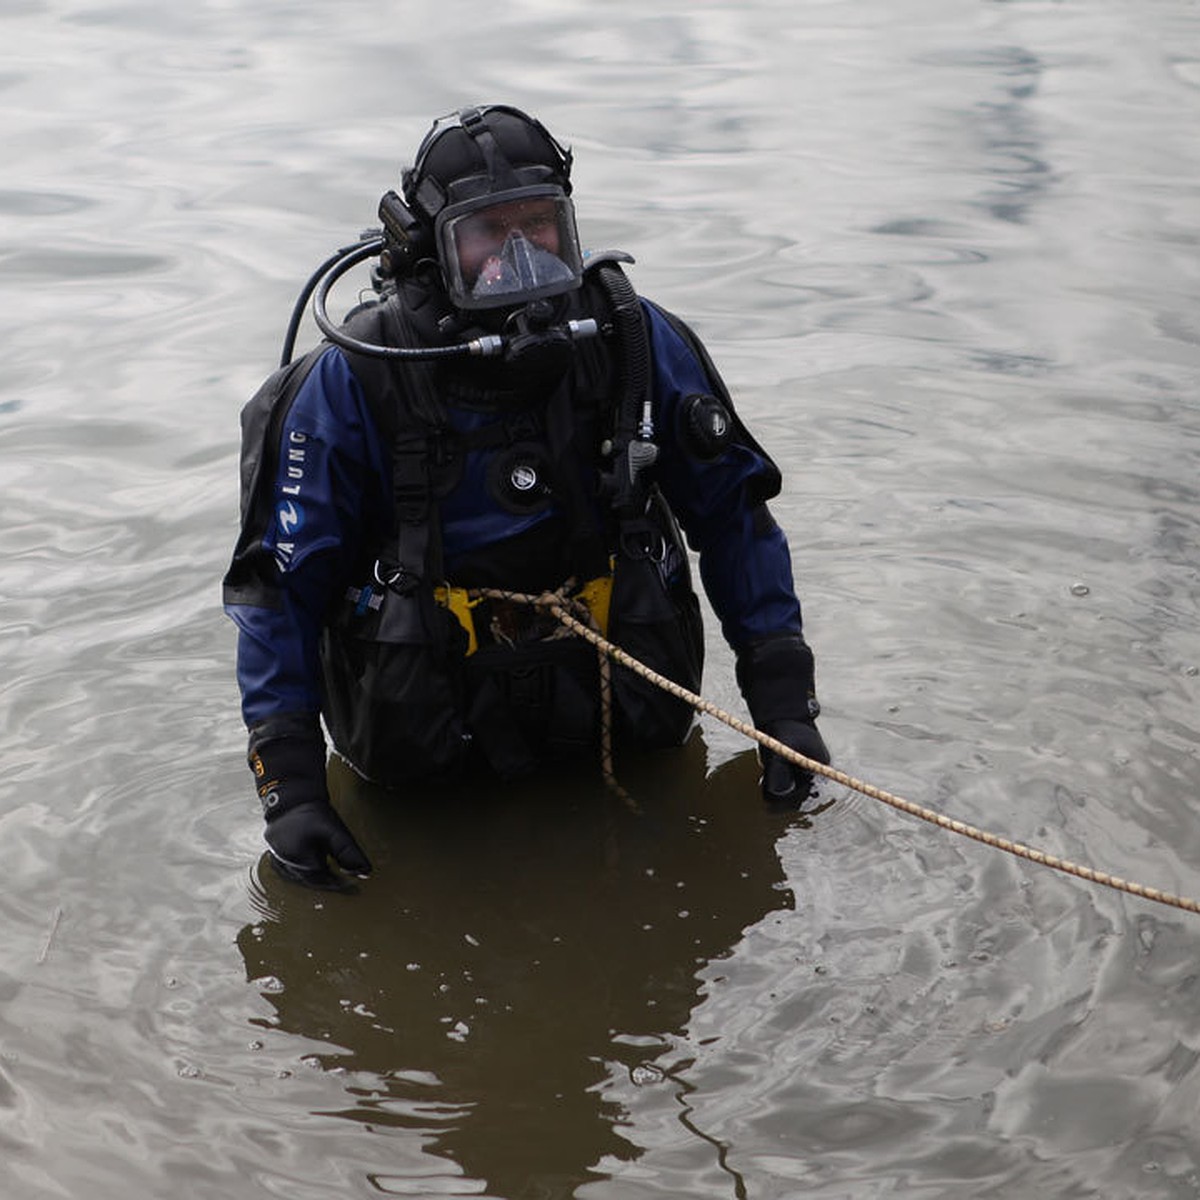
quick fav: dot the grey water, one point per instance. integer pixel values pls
(947, 254)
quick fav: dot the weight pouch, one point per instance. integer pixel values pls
(392, 666)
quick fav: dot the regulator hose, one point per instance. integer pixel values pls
(320, 283)
(339, 266)
(293, 328)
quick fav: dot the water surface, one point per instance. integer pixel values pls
(946, 255)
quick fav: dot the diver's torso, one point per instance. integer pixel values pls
(514, 455)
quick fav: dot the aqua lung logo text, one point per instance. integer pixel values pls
(289, 513)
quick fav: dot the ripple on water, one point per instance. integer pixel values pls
(18, 203)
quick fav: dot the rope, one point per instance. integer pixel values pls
(554, 602)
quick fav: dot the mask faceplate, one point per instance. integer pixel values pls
(508, 248)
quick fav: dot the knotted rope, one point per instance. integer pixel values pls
(558, 604)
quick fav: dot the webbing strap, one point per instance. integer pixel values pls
(413, 507)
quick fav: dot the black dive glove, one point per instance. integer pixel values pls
(303, 831)
(777, 679)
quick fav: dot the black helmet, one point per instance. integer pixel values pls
(495, 186)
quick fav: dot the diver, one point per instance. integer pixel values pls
(501, 418)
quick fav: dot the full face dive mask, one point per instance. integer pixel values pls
(508, 248)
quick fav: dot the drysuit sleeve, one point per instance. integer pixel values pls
(718, 489)
(316, 498)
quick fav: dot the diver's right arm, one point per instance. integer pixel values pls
(323, 492)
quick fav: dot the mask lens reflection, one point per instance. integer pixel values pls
(520, 266)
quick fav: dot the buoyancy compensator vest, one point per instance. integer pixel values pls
(420, 671)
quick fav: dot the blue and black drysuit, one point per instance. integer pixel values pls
(319, 501)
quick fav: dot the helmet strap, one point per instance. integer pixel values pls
(500, 172)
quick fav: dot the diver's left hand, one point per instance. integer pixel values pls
(785, 784)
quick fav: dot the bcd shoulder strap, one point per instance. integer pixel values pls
(633, 449)
(408, 410)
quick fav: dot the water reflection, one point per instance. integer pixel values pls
(1011, 142)
(514, 949)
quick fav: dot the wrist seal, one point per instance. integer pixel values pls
(288, 770)
(777, 677)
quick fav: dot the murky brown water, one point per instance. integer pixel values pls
(947, 255)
